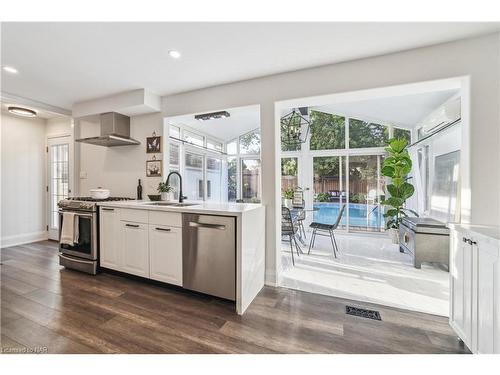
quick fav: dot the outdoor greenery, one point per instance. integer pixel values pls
(323, 197)
(397, 166)
(367, 134)
(327, 131)
(289, 166)
(402, 133)
(250, 143)
(288, 193)
(231, 178)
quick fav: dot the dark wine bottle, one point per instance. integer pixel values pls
(139, 191)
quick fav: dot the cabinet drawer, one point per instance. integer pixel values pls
(173, 219)
(138, 216)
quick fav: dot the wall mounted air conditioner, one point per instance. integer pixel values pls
(446, 114)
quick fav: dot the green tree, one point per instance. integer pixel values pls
(327, 131)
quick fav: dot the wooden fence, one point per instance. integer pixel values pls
(327, 184)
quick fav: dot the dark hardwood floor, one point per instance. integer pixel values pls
(46, 308)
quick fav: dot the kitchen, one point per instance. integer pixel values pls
(99, 255)
(131, 236)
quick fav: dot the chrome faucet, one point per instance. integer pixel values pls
(181, 197)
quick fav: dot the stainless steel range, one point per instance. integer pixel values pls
(83, 253)
(426, 239)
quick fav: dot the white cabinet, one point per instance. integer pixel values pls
(134, 248)
(475, 288)
(165, 254)
(132, 242)
(487, 311)
(109, 225)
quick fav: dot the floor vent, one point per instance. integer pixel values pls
(363, 313)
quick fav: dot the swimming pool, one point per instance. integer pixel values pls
(360, 215)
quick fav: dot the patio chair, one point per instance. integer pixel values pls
(326, 230)
(288, 228)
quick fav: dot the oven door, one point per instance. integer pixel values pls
(87, 239)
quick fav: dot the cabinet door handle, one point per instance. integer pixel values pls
(107, 209)
(473, 242)
(164, 229)
(132, 225)
(464, 239)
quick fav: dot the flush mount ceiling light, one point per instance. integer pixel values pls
(10, 69)
(212, 116)
(25, 112)
(174, 54)
(295, 127)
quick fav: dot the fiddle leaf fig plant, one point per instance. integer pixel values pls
(397, 166)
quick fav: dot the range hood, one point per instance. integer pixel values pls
(115, 131)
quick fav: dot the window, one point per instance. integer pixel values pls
(289, 173)
(214, 179)
(174, 131)
(366, 134)
(194, 175)
(174, 156)
(402, 133)
(365, 193)
(194, 139)
(250, 180)
(214, 145)
(250, 143)
(232, 179)
(327, 131)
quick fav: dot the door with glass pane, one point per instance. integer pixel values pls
(250, 180)
(329, 188)
(366, 190)
(58, 187)
(214, 179)
(193, 186)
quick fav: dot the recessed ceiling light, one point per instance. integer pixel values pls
(174, 54)
(25, 112)
(10, 69)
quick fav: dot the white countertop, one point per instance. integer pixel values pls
(209, 208)
(490, 231)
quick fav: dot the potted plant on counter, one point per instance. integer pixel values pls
(397, 166)
(288, 197)
(166, 191)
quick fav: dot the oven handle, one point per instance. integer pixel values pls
(77, 213)
(75, 260)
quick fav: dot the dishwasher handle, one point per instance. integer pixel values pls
(209, 226)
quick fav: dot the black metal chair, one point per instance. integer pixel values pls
(328, 228)
(289, 228)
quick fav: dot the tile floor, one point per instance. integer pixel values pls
(369, 268)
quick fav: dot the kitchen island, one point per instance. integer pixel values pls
(152, 240)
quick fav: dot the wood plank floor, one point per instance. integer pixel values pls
(46, 308)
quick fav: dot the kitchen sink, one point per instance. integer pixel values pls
(172, 204)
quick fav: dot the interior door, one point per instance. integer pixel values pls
(59, 164)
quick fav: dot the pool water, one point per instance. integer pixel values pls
(360, 215)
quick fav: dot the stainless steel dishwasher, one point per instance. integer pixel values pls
(209, 255)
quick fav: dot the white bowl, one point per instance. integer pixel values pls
(99, 193)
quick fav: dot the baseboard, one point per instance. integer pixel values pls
(21, 239)
(270, 279)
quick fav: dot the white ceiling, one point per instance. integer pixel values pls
(241, 121)
(405, 111)
(64, 63)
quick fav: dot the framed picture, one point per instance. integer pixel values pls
(153, 144)
(153, 168)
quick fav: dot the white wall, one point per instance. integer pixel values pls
(23, 180)
(117, 168)
(59, 126)
(477, 58)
